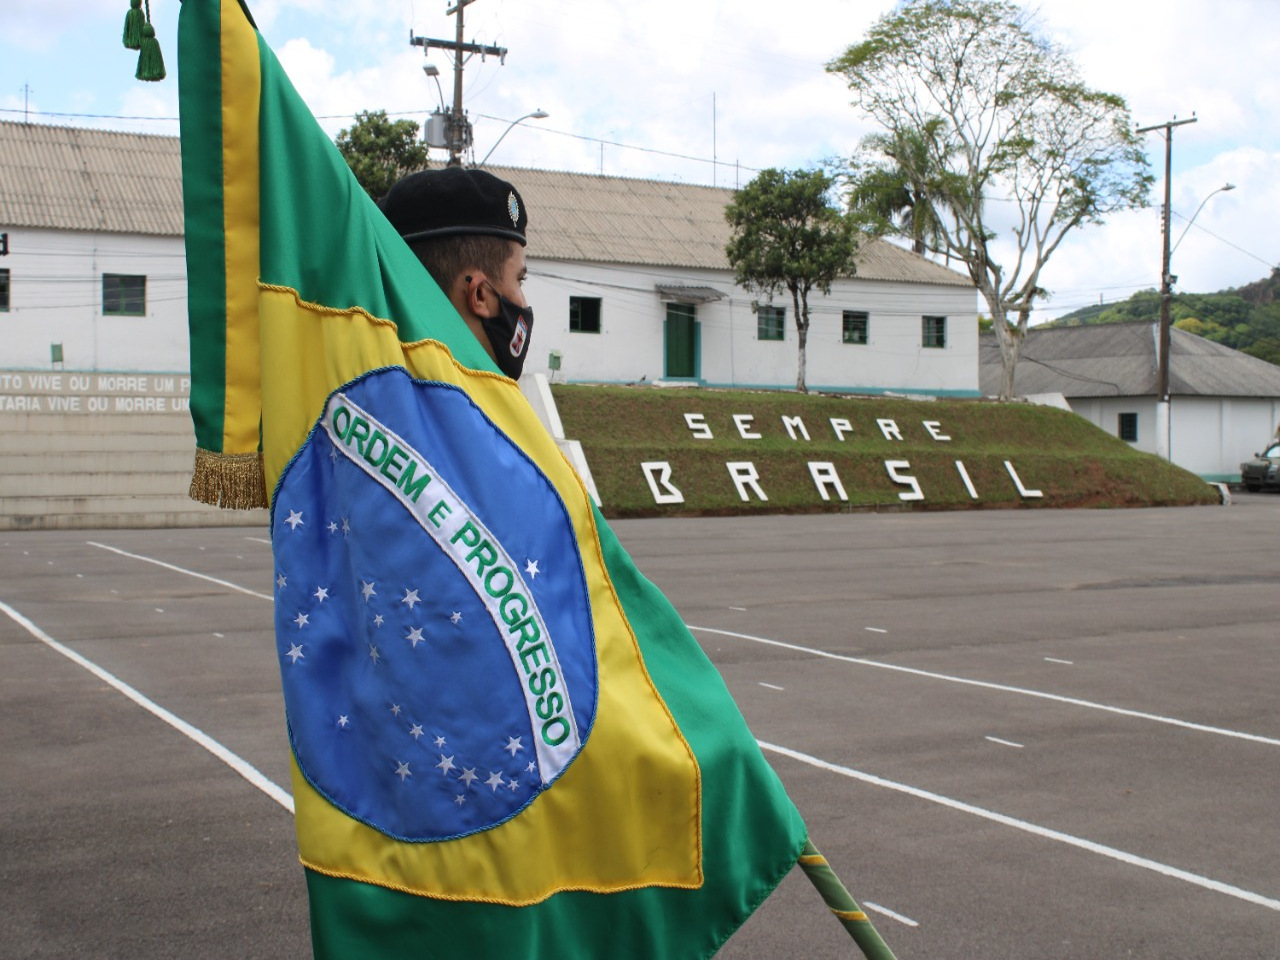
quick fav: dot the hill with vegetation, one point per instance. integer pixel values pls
(664, 451)
(1245, 318)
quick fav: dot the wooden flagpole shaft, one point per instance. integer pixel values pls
(842, 904)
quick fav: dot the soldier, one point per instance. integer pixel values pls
(467, 227)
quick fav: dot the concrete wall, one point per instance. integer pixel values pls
(96, 449)
(630, 343)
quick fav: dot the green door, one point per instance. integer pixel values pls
(681, 341)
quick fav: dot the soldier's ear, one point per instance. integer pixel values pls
(480, 294)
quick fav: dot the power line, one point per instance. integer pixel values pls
(411, 113)
(86, 116)
(628, 146)
(484, 116)
(1234, 246)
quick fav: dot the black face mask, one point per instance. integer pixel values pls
(509, 334)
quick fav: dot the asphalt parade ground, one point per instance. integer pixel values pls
(1021, 734)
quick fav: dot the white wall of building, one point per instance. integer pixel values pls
(1209, 436)
(55, 297)
(630, 344)
(1104, 413)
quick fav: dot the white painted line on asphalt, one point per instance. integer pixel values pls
(1004, 743)
(771, 686)
(236, 763)
(1069, 663)
(987, 685)
(875, 630)
(739, 609)
(258, 540)
(868, 905)
(1132, 859)
(189, 573)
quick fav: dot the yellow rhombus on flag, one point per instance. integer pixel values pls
(505, 742)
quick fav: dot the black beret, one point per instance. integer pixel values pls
(454, 200)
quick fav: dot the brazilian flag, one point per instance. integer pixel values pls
(505, 742)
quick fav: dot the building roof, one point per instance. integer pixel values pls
(69, 178)
(1120, 360)
(584, 216)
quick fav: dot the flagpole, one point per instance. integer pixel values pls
(842, 904)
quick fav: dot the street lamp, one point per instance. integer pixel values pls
(1164, 419)
(436, 131)
(1222, 189)
(432, 71)
(538, 114)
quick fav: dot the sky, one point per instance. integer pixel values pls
(712, 91)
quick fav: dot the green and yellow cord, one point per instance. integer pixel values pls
(842, 904)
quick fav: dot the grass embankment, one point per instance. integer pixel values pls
(1068, 460)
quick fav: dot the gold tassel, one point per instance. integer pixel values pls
(233, 481)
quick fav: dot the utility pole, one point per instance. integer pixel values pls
(1166, 292)
(457, 128)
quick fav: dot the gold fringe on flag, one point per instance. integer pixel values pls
(233, 481)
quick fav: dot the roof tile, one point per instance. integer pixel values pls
(1119, 360)
(74, 178)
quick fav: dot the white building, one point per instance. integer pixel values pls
(628, 280)
(96, 272)
(1223, 404)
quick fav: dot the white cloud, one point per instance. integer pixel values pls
(645, 75)
(42, 27)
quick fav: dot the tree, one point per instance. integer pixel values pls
(787, 235)
(381, 151)
(1246, 318)
(1202, 328)
(897, 195)
(1002, 116)
(1267, 349)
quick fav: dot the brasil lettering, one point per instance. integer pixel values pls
(746, 478)
(393, 463)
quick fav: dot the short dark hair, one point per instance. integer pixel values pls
(446, 258)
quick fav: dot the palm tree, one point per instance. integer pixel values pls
(903, 193)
